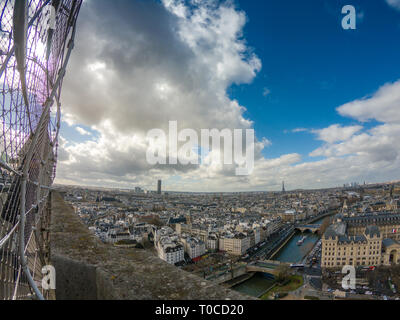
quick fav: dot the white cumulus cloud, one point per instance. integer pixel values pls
(383, 106)
(394, 3)
(83, 132)
(336, 133)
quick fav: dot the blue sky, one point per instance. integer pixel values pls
(311, 65)
(326, 99)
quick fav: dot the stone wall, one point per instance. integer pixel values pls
(87, 269)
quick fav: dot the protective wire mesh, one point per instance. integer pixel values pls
(34, 38)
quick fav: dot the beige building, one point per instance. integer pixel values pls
(292, 216)
(193, 247)
(194, 230)
(288, 216)
(388, 224)
(340, 249)
(236, 245)
(370, 240)
(272, 227)
(390, 252)
(212, 243)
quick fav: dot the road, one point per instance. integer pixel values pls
(272, 243)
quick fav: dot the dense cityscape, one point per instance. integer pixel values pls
(248, 241)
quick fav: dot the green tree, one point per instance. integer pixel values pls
(325, 225)
(283, 273)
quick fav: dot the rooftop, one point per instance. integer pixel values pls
(88, 269)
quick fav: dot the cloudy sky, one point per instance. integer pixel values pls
(324, 102)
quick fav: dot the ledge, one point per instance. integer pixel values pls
(87, 269)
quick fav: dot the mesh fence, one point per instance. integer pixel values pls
(35, 43)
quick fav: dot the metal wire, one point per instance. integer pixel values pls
(34, 53)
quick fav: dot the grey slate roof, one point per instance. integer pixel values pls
(372, 231)
(388, 242)
(336, 230)
(348, 239)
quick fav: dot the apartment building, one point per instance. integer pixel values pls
(234, 244)
(168, 246)
(194, 230)
(340, 249)
(212, 243)
(170, 251)
(369, 240)
(195, 248)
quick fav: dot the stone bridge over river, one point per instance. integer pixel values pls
(313, 228)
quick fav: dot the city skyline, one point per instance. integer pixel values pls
(322, 102)
(154, 189)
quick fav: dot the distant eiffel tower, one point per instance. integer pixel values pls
(283, 187)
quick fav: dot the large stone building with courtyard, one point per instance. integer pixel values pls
(367, 240)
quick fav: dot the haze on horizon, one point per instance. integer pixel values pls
(323, 117)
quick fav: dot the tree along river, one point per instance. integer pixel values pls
(291, 252)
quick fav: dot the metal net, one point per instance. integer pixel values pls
(36, 39)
